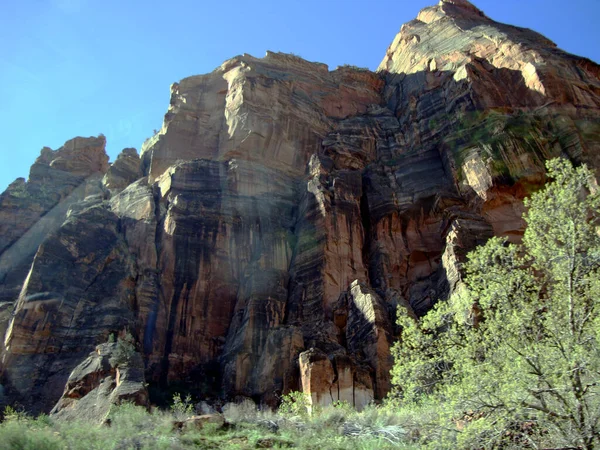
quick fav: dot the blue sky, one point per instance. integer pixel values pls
(83, 67)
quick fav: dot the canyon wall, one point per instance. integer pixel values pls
(267, 235)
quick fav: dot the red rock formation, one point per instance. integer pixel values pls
(29, 210)
(268, 233)
(99, 382)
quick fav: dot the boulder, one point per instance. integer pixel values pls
(99, 383)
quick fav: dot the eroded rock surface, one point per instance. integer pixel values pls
(274, 111)
(30, 210)
(268, 233)
(79, 289)
(124, 171)
(100, 382)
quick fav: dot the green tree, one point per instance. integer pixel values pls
(124, 350)
(513, 357)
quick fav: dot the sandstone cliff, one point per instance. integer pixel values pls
(265, 237)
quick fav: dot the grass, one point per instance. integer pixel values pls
(430, 425)
(133, 427)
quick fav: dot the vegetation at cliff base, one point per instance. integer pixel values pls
(512, 359)
(241, 426)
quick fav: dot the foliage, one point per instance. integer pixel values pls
(295, 403)
(18, 190)
(11, 414)
(134, 427)
(182, 408)
(243, 412)
(124, 351)
(495, 135)
(15, 435)
(18, 431)
(513, 357)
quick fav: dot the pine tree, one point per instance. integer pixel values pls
(513, 358)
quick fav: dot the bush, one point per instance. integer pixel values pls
(19, 431)
(132, 427)
(513, 358)
(352, 67)
(182, 409)
(124, 351)
(244, 412)
(23, 435)
(295, 403)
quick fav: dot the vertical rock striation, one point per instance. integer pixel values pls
(269, 232)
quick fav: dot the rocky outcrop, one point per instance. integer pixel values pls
(100, 382)
(227, 234)
(273, 111)
(30, 210)
(52, 178)
(80, 288)
(124, 171)
(340, 379)
(358, 370)
(269, 232)
(493, 101)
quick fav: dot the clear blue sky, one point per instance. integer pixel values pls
(84, 67)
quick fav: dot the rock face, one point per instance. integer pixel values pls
(124, 171)
(29, 210)
(265, 237)
(79, 289)
(99, 382)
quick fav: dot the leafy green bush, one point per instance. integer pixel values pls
(23, 435)
(182, 408)
(350, 66)
(19, 431)
(513, 359)
(130, 426)
(124, 351)
(295, 403)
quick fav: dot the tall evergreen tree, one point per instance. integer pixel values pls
(513, 358)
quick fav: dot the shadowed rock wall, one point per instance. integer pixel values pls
(265, 237)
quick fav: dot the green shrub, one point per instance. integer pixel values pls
(295, 403)
(17, 435)
(133, 427)
(513, 358)
(182, 408)
(21, 432)
(353, 67)
(124, 351)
